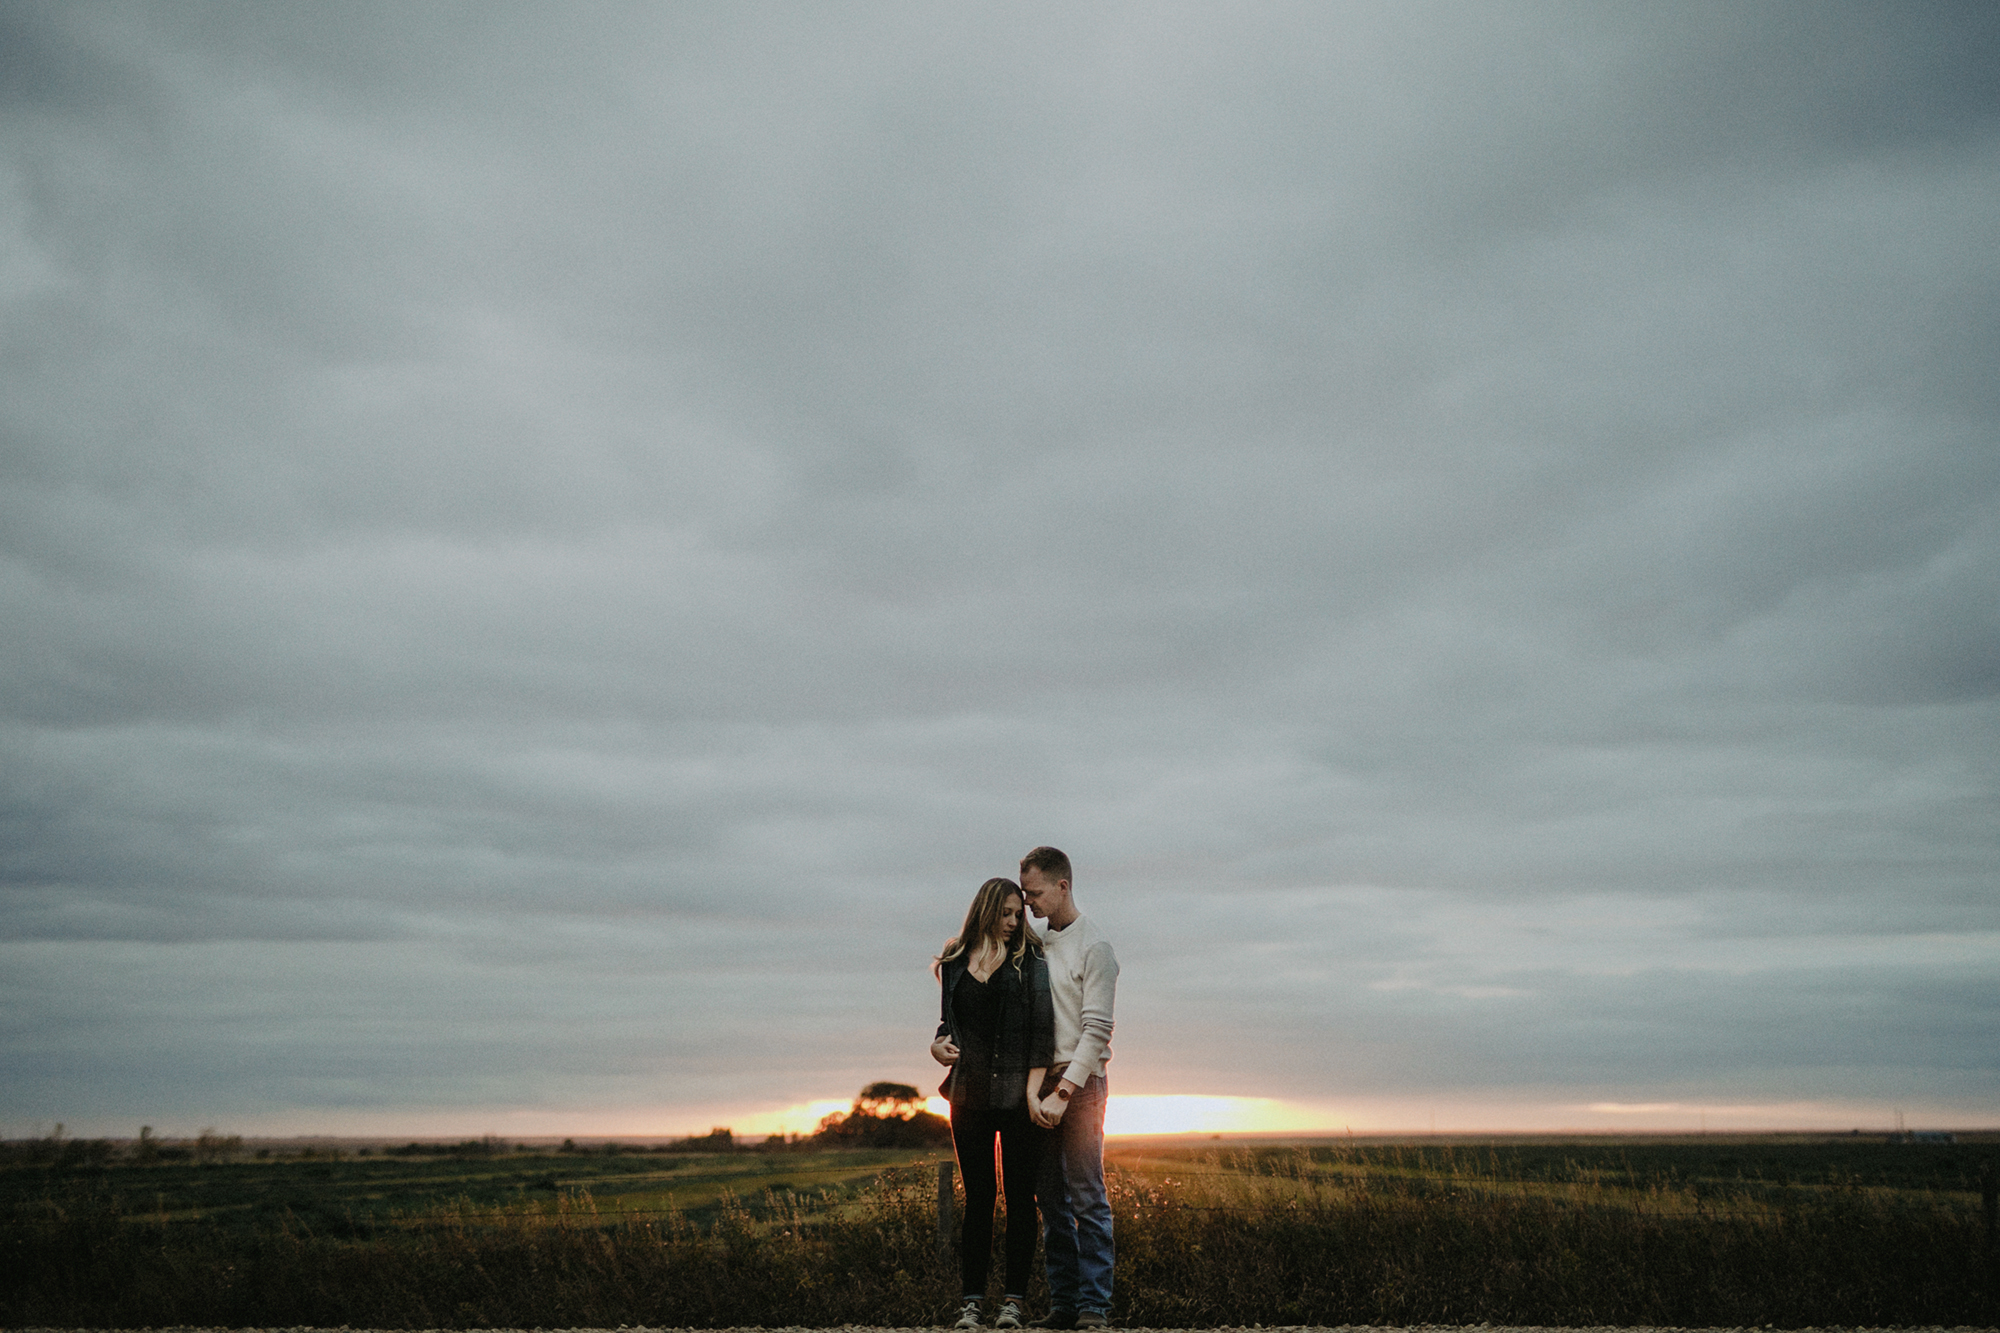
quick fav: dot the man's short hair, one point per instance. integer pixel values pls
(1050, 861)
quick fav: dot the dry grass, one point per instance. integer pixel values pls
(1323, 1237)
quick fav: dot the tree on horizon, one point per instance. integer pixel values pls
(885, 1115)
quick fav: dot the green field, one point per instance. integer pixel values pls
(1695, 1175)
(1785, 1231)
(354, 1196)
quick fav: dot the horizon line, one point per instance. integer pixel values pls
(1340, 1132)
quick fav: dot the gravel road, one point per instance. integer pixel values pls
(1273, 1328)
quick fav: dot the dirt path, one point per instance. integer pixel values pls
(1272, 1328)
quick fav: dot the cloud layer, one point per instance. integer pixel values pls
(546, 554)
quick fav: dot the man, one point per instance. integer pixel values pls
(1076, 1215)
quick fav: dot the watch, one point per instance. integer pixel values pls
(1062, 1091)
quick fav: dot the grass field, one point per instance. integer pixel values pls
(1696, 1175)
(351, 1197)
(1712, 1231)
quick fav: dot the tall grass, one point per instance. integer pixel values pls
(1303, 1238)
(557, 1265)
(1341, 1239)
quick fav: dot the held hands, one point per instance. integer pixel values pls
(1046, 1111)
(944, 1051)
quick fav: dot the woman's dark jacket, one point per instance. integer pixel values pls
(1027, 1031)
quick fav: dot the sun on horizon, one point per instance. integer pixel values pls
(1125, 1114)
(1134, 1114)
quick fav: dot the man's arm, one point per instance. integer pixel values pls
(1100, 989)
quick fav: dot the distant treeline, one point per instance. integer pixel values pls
(56, 1150)
(884, 1115)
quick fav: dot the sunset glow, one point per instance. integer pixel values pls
(1127, 1115)
(1181, 1113)
(1175, 1113)
(799, 1118)
(1178, 1113)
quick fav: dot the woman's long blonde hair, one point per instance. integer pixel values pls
(982, 921)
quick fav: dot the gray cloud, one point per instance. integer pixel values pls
(539, 550)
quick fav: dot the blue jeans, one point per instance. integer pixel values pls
(1076, 1215)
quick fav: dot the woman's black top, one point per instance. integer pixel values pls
(1003, 1027)
(976, 1008)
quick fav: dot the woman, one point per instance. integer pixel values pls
(998, 1036)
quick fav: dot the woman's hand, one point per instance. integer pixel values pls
(1032, 1093)
(1049, 1111)
(944, 1051)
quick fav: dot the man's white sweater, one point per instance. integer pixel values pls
(1083, 981)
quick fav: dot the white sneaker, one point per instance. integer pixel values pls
(969, 1316)
(1009, 1316)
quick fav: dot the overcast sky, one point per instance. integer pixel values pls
(545, 551)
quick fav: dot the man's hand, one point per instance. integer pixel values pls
(1049, 1111)
(944, 1051)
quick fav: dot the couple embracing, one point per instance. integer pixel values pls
(1027, 1032)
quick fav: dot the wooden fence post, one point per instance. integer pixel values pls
(1989, 1207)
(945, 1227)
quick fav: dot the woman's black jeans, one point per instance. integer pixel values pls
(972, 1134)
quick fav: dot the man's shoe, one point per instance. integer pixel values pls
(1057, 1318)
(969, 1316)
(1009, 1316)
(1092, 1319)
